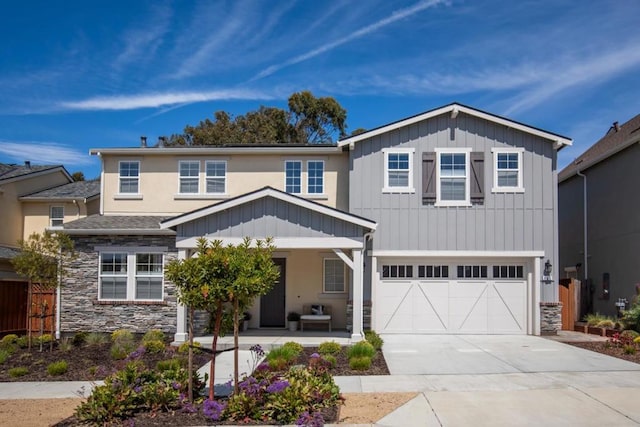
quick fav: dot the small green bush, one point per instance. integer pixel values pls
(169, 365)
(360, 363)
(374, 339)
(57, 368)
(153, 335)
(593, 319)
(285, 352)
(79, 338)
(331, 359)
(4, 355)
(153, 346)
(606, 323)
(629, 335)
(23, 341)
(95, 338)
(631, 318)
(8, 340)
(184, 347)
(121, 349)
(65, 344)
(629, 349)
(329, 347)
(43, 339)
(361, 349)
(121, 335)
(278, 363)
(296, 347)
(18, 372)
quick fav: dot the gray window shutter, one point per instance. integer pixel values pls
(428, 178)
(477, 177)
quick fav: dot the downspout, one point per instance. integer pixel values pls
(367, 236)
(584, 209)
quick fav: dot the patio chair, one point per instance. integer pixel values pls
(315, 313)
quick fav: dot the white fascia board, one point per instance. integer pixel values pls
(269, 192)
(120, 232)
(215, 150)
(282, 242)
(457, 254)
(558, 140)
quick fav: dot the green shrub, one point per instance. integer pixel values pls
(374, 339)
(23, 341)
(153, 346)
(593, 319)
(57, 368)
(285, 352)
(631, 318)
(8, 340)
(121, 335)
(331, 359)
(65, 344)
(121, 349)
(629, 335)
(18, 372)
(4, 355)
(184, 347)
(296, 347)
(606, 323)
(95, 338)
(153, 335)
(361, 349)
(79, 338)
(43, 339)
(329, 347)
(169, 365)
(629, 349)
(360, 363)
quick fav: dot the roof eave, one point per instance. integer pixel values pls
(118, 232)
(334, 149)
(586, 165)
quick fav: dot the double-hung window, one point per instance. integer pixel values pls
(507, 175)
(333, 276)
(189, 176)
(56, 216)
(315, 177)
(452, 166)
(129, 174)
(216, 176)
(131, 276)
(293, 176)
(398, 170)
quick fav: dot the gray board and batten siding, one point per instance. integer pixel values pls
(269, 217)
(501, 222)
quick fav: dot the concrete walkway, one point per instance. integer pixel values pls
(526, 387)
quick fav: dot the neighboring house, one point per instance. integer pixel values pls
(32, 199)
(600, 221)
(436, 223)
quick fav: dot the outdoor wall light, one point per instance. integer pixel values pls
(546, 274)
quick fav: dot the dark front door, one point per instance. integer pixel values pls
(272, 304)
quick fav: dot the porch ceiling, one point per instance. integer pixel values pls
(283, 242)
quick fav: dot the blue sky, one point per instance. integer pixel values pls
(76, 75)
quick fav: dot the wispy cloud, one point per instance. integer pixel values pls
(43, 152)
(155, 100)
(395, 16)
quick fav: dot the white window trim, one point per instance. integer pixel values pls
(322, 193)
(224, 192)
(180, 177)
(129, 195)
(520, 187)
(409, 188)
(51, 218)
(301, 176)
(131, 271)
(344, 276)
(467, 190)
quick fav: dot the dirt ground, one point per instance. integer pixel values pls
(359, 408)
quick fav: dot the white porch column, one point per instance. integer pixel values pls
(357, 333)
(181, 318)
(536, 289)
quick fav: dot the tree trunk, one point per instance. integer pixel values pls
(190, 366)
(29, 302)
(214, 346)
(43, 314)
(53, 317)
(235, 344)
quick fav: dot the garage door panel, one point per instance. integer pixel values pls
(394, 299)
(507, 308)
(431, 307)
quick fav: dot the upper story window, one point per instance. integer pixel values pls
(398, 170)
(216, 171)
(293, 176)
(333, 279)
(453, 177)
(315, 177)
(129, 177)
(189, 176)
(507, 171)
(56, 216)
(131, 276)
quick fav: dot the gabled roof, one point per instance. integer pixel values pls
(616, 139)
(10, 172)
(116, 225)
(70, 191)
(454, 109)
(325, 149)
(268, 192)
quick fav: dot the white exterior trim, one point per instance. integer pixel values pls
(501, 150)
(282, 242)
(118, 232)
(268, 192)
(458, 254)
(196, 178)
(212, 151)
(467, 178)
(409, 188)
(557, 139)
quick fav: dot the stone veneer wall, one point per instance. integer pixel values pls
(550, 318)
(366, 315)
(80, 308)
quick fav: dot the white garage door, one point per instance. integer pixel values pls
(451, 306)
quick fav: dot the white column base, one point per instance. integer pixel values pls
(356, 338)
(180, 337)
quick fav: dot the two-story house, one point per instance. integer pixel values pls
(436, 223)
(33, 198)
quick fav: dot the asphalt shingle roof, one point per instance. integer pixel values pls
(607, 145)
(8, 253)
(83, 189)
(12, 171)
(115, 222)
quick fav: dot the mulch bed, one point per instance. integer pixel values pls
(602, 347)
